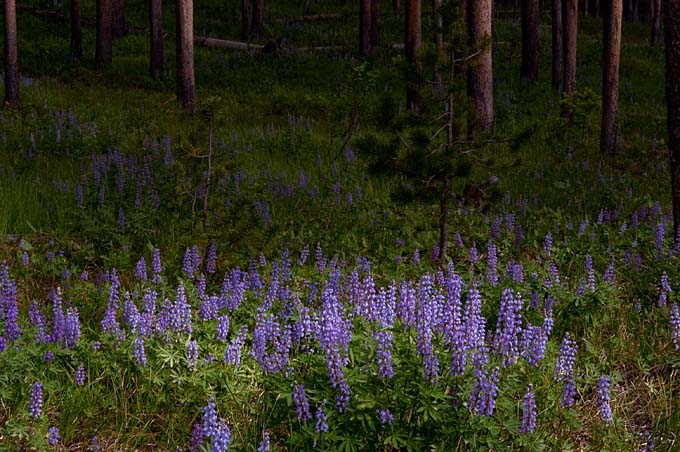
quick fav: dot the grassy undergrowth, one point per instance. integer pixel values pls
(298, 274)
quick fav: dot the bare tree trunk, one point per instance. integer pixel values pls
(557, 39)
(656, 21)
(245, 26)
(186, 85)
(611, 34)
(375, 24)
(480, 70)
(104, 47)
(585, 7)
(396, 6)
(464, 9)
(530, 48)
(156, 38)
(438, 40)
(257, 26)
(672, 40)
(412, 45)
(570, 17)
(365, 26)
(11, 55)
(596, 8)
(118, 25)
(76, 33)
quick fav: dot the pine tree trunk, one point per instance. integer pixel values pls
(245, 25)
(655, 6)
(480, 71)
(570, 26)
(530, 48)
(396, 6)
(365, 26)
(156, 38)
(257, 26)
(672, 40)
(104, 46)
(611, 33)
(118, 26)
(557, 39)
(596, 8)
(76, 33)
(413, 44)
(11, 55)
(375, 24)
(186, 85)
(438, 39)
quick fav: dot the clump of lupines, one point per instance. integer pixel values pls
(603, 397)
(9, 304)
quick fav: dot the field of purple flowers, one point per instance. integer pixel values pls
(242, 281)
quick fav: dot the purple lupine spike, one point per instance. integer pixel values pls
(610, 273)
(211, 264)
(192, 355)
(591, 273)
(492, 262)
(156, 266)
(222, 328)
(508, 327)
(482, 398)
(659, 239)
(232, 355)
(210, 422)
(109, 323)
(528, 412)
(9, 302)
(320, 424)
(603, 398)
(547, 244)
(301, 403)
(140, 269)
(384, 352)
(53, 436)
(675, 325)
(566, 359)
(416, 257)
(72, 328)
(139, 351)
(265, 444)
(188, 263)
(38, 321)
(36, 400)
(385, 416)
(79, 377)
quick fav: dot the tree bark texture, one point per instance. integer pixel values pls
(672, 41)
(156, 38)
(257, 26)
(375, 24)
(365, 26)
(76, 31)
(186, 85)
(569, 30)
(118, 26)
(104, 46)
(245, 24)
(611, 34)
(557, 40)
(11, 55)
(530, 46)
(413, 42)
(480, 70)
(656, 21)
(438, 40)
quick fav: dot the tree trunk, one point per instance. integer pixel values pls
(557, 39)
(186, 85)
(76, 33)
(596, 8)
(412, 45)
(570, 17)
(672, 40)
(245, 26)
(257, 26)
(375, 24)
(480, 72)
(11, 55)
(104, 46)
(118, 26)
(611, 33)
(530, 48)
(365, 26)
(656, 21)
(156, 38)
(396, 6)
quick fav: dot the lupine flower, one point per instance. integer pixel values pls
(492, 263)
(9, 300)
(48, 357)
(72, 328)
(385, 416)
(303, 255)
(547, 244)
(534, 340)
(473, 254)
(416, 257)
(139, 352)
(591, 273)
(53, 436)
(79, 377)
(222, 328)
(568, 396)
(265, 444)
(603, 397)
(675, 325)
(564, 366)
(25, 259)
(221, 437)
(482, 398)
(384, 352)
(209, 425)
(659, 239)
(35, 404)
(508, 327)
(140, 269)
(109, 323)
(192, 355)
(528, 412)
(38, 320)
(321, 424)
(156, 265)
(211, 264)
(301, 403)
